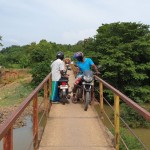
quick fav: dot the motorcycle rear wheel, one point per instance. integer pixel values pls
(87, 100)
(63, 98)
(79, 93)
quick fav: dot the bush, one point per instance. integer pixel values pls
(131, 142)
(132, 118)
(39, 72)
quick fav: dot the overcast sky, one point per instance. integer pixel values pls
(64, 21)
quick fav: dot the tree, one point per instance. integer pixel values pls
(24, 61)
(124, 53)
(39, 72)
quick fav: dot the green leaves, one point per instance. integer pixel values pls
(39, 72)
(123, 50)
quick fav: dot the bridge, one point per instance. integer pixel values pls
(69, 127)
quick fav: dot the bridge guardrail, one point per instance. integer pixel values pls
(6, 129)
(117, 96)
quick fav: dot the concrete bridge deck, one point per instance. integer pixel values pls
(69, 127)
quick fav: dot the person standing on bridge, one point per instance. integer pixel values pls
(83, 64)
(57, 68)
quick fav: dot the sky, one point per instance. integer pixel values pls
(64, 21)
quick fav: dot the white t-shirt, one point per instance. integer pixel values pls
(57, 66)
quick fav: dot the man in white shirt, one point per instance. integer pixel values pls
(57, 68)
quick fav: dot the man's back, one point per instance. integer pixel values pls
(57, 66)
(86, 65)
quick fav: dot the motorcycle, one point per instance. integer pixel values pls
(84, 90)
(63, 88)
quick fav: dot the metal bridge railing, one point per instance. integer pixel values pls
(6, 129)
(117, 96)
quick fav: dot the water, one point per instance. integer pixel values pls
(22, 136)
(142, 133)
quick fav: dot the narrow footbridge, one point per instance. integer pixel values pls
(69, 127)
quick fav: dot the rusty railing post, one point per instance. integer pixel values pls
(46, 98)
(35, 122)
(50, 91)
(8, 140)
(116, 121)
(101, 97)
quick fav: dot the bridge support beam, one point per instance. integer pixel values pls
(8, 140)
(46, 102)
(101, 97)
(116, 121)
(35, 122)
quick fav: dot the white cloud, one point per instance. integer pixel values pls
(65, 21)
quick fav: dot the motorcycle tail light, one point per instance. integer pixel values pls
(64, 83)
(78, 80)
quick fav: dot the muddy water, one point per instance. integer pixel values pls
(143, 134)
(22, 136)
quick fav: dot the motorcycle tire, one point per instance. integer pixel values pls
(63, 100)
(79, 93)
(62, 97)
(87, 100)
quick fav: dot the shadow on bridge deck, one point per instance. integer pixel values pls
(69, 127)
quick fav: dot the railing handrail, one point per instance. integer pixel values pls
(14, 116)
(127, 100)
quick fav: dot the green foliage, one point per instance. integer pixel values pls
(35, 56)
(139, 93)
(17, 95)
(130, 141)
(2, 59)
(39, 72)
(24, 61)
(11, 55)
(123, 51)
(132, 118)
